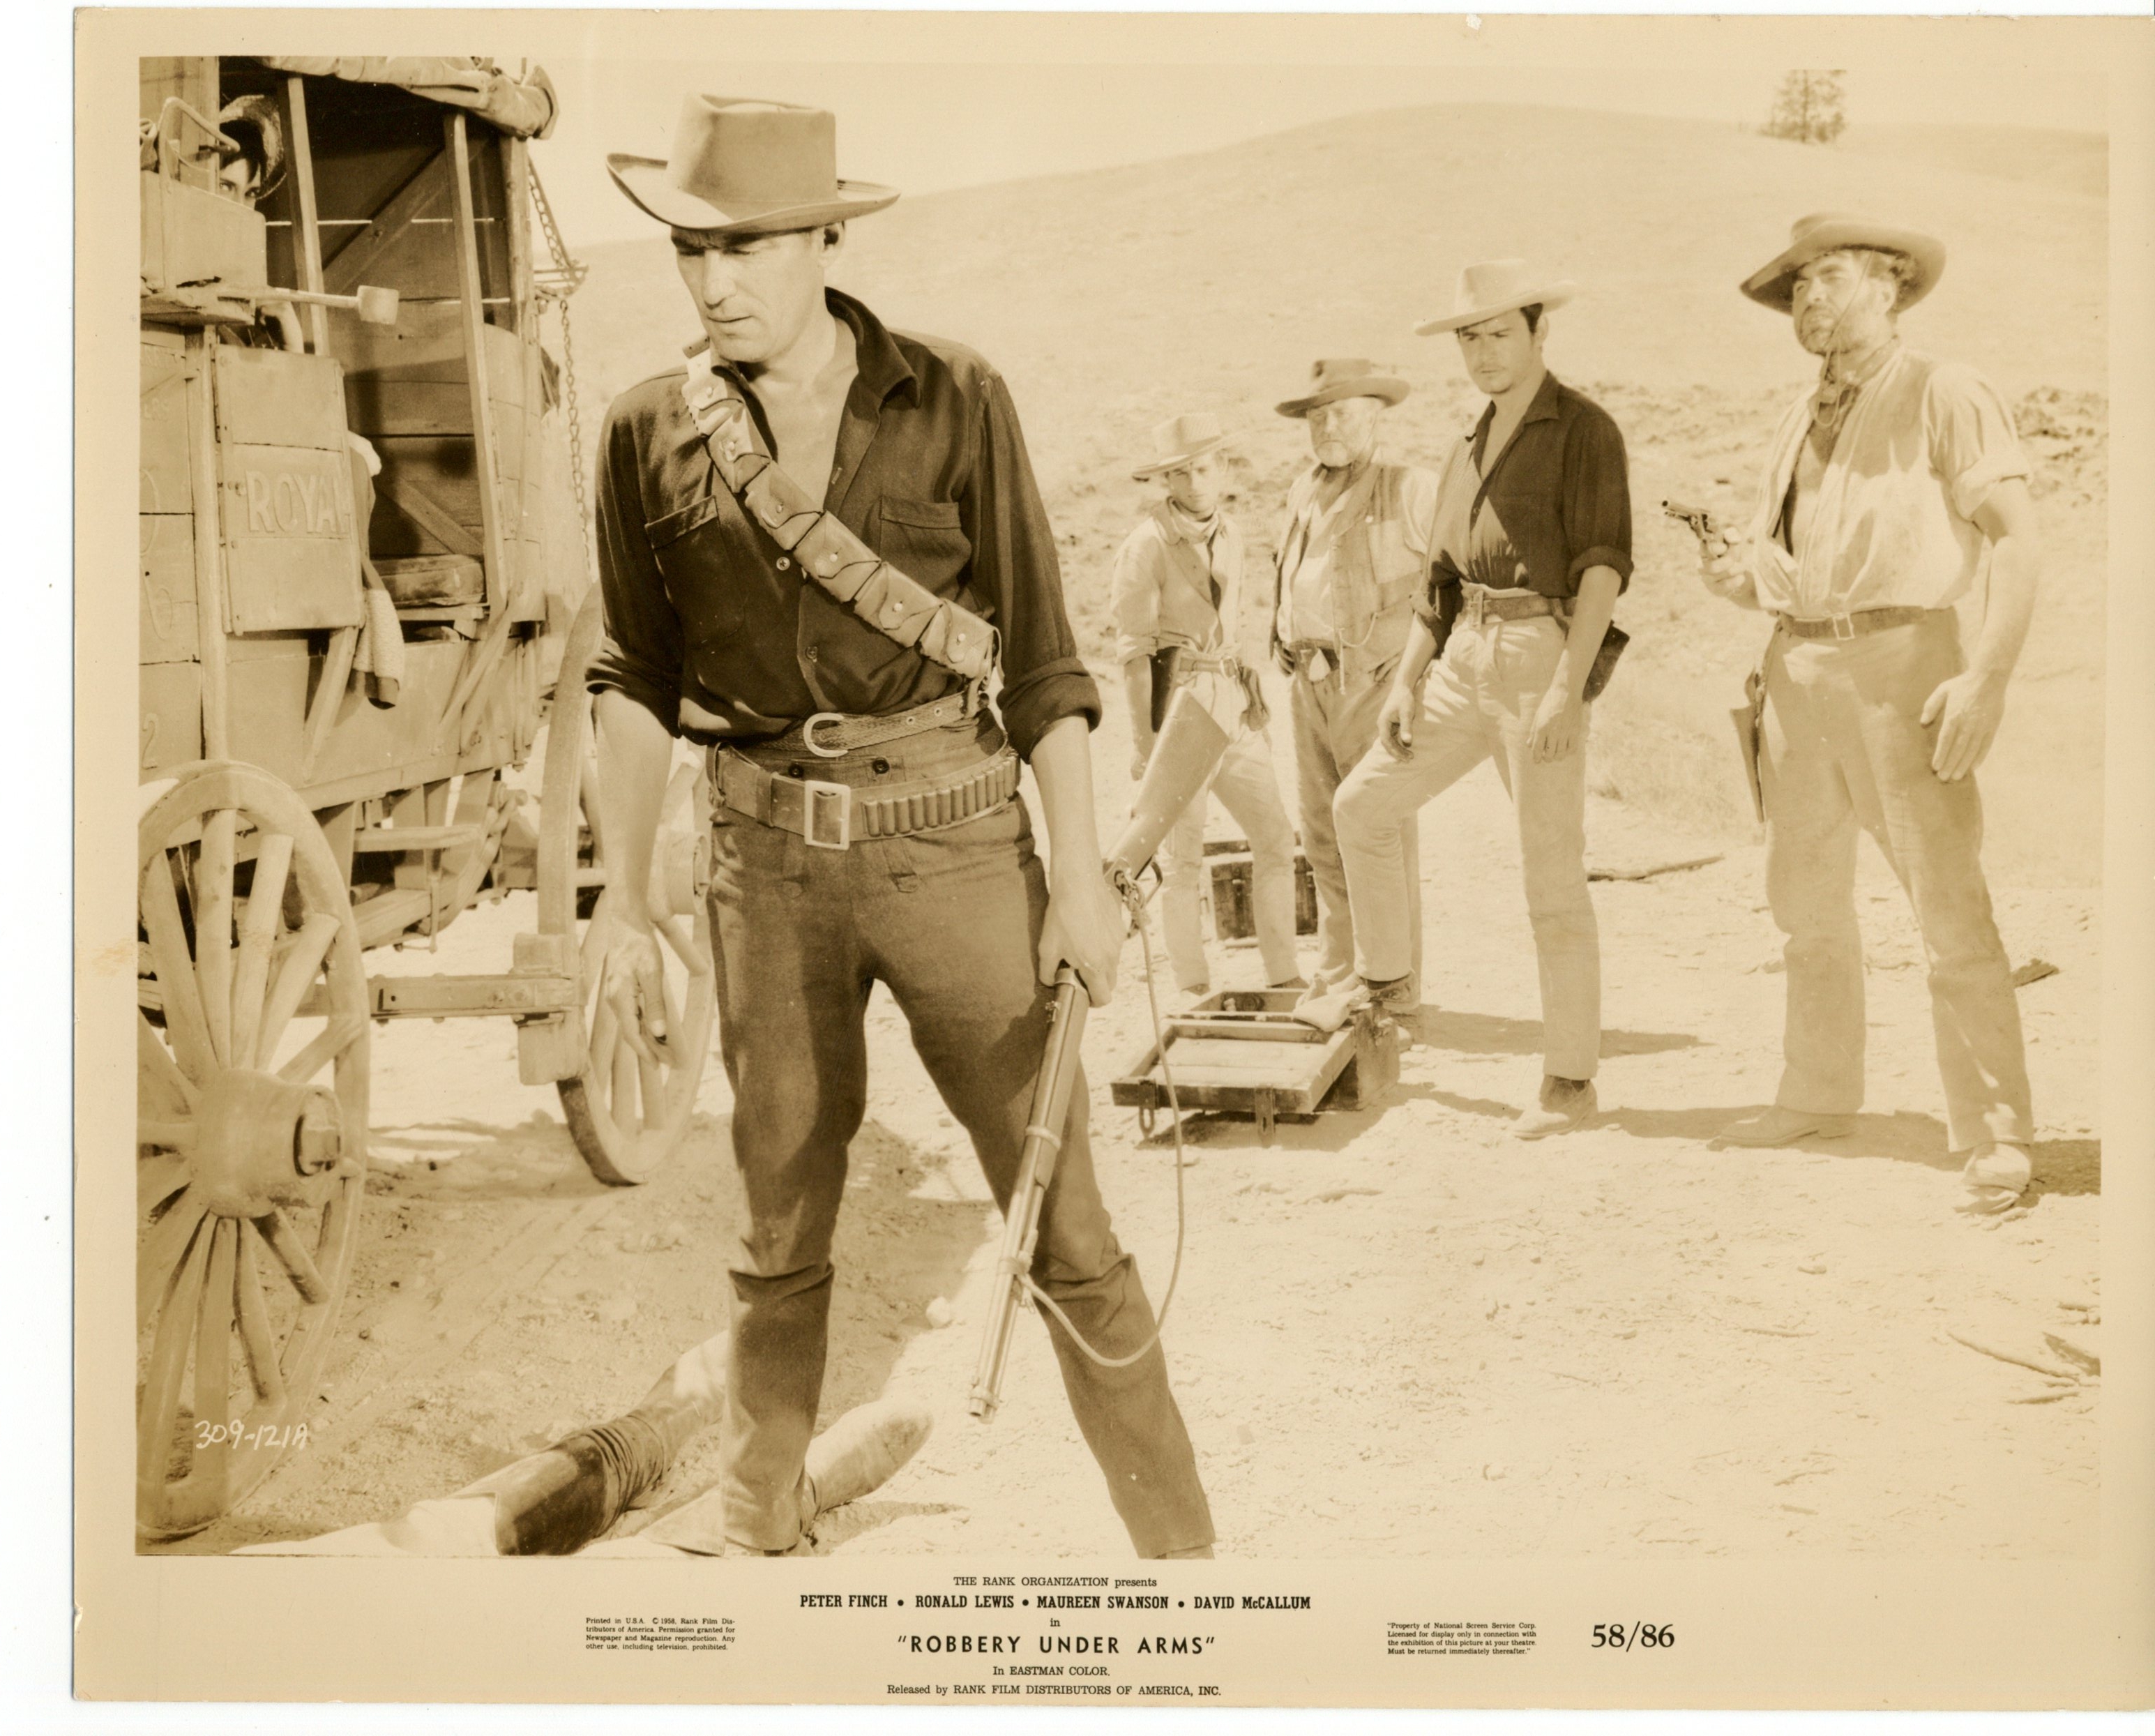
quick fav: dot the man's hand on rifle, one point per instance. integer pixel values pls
(1083, 928)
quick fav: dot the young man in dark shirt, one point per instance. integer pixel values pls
(866, 827)
(1533, 545)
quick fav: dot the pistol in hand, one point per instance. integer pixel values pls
(1700, 519)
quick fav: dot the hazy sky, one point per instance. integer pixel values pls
(923, 127)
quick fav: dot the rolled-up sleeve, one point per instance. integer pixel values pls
(640, 654)
(1015, 567)
(1974, 445)
(1597, 499)
(1135, 595)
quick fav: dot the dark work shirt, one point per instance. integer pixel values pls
(1553, 502)
(713, 629)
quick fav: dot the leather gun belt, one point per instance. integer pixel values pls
(832, 816)
(1851, 627)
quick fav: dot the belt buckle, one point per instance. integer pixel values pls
(820, 799)
(808, 736)
(1843, 626)
(1476, 606)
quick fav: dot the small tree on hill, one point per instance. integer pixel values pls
(1809, 107)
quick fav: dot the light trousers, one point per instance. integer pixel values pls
(1479, 703)
(1335, 724)
(1249, 790)
(1844, 748)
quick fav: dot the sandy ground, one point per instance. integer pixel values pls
(1397, 1331)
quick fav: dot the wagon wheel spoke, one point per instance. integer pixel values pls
(680, 934)
(167, 1370)
(256, 1335)
(212, 1382)
(621, 1103)
(302, 963)
(650, 1085)
(162, 1250)
(605, 1041)
(176, 987)
(157, 1179)
(259, 927)
(212, 913)
(164, 1088)
(293, 1256)
(173, 1133)
(337, 1037)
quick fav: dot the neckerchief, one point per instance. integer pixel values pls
(1191, 528)
(1836, 393)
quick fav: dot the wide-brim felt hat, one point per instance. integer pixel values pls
(1179, 441)
(1498, 286)
(1344, 377)
(743, 167)
(1773, 283)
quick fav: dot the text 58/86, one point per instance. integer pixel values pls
(1636, 1635)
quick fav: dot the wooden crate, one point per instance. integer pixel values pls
(1242, 1051)
(1233, 914)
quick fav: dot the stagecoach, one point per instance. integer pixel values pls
(365, 611)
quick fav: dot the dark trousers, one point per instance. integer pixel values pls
(948, 919)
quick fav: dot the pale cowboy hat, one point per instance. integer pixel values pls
(748, 168)
(1773, 283)
(1494, 287)
(1344, 377)
(1178, 440)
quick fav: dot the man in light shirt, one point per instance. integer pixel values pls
(1354, 554)
(1887, 493)
(1177, 585)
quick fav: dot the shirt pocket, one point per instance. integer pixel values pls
(688, 544)
(924, 539)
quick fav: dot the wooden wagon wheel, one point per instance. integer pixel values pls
(626, 1114)
(251, 1036)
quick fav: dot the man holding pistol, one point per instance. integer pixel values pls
(810, 548)
(1888, 493)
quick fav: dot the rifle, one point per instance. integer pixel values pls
(1189, 747)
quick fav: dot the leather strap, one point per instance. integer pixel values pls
(1852, 626)
(829, 734)
(1480, 604)
(831, 816)
(900, 608)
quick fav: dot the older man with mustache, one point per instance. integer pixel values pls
(1890, 491)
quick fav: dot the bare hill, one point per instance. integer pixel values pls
(2058, 157)
(1112, 298)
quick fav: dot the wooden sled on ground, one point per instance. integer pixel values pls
(1243, 1051)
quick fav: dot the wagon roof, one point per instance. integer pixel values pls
(524, 106)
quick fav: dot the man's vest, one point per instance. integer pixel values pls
(1375, 574)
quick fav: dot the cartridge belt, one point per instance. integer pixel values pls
(1480, 604)
(1852, 627)
(831, 816)
(1198, 662)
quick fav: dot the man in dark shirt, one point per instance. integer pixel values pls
(866, 827)
(1533, 545)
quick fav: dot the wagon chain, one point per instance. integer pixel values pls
(556, 283)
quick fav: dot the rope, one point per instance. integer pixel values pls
(1136, 901)
(556, 283)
